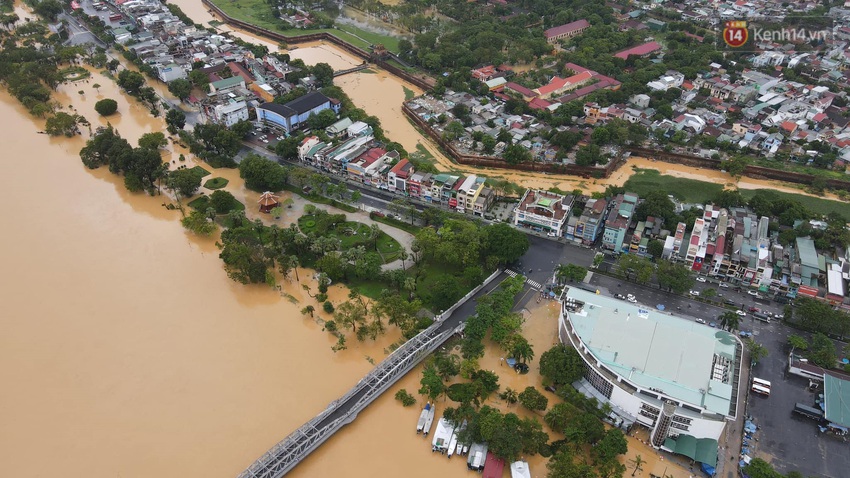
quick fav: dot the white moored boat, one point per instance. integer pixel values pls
(442, 435)
(423, 417)
(429, 420)
(477, 455)
(519, 469)
(452, 445)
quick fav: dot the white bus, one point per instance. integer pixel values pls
(762, 383)
(761, 390)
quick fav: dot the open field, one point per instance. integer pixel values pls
(259, 13)
(695, 191)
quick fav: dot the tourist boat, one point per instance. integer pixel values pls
(461, 448)
(519, 469)
(429, 419)
(452, 445)
(442, 435)
(477, 456)
(423, 417)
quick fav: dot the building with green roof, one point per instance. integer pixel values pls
(836, 400)
(676, 377)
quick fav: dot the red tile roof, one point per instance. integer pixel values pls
(562, 83)
(520, 89)
(639, 50)
(789, 126)
(539, 104)
(568, 28)
(402, 168)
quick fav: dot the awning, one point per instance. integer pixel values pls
(702, 450)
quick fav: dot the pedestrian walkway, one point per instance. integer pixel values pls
(534, 284)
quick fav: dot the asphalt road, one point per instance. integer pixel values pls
(789, 441)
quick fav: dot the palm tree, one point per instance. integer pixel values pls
(374, 234)
(521, 349)
(410, 286)
(96, 86)
(295, 263)
(637, 461)
(237, 217)
(729, 321)
(308, 310)
(510, 396)
(403, 255)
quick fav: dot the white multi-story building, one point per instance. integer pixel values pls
(230, 113)
(676, 377)
(543, 211)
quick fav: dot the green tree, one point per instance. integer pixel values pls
(758, 468)
(561, 365)
(655, 248)
(564, 465)
(674, 277)
(200, 79)
(62, 124)
(504, 243)
(321, 120)
(516, 154)
(175, 120)
(590, 155)
(634, 266)
(405, 398)
(48, 9)
(570, 273)
(610, 446)
(757, 350)
(324, 74)
(729, 321)
(184, 181)
(308, 310)
(153, 140)
(822, 351)
(261, 174)
(638, 463)
(533, 400)
(510, 396)
(199, 223)
(181, 88)
(106, 107)
(519, 348)
(223, 202)
(736, 166)
(131, 81)
(432, 384)
(798, 343)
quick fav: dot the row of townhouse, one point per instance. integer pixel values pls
(360, 159)
(737, 247)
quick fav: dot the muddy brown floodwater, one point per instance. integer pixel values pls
(126, 350)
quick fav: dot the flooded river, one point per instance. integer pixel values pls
(126, 350)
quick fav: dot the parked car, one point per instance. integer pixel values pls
(700, 279)
(694, 293)
(745, 334)
(551, 234)
(632, 300)
(753, 293)
(755, 309)
(700, 321)
(723, 285)
(712, 325)
(741, 313)
(620, 296)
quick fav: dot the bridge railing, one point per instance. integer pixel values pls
(287, 453)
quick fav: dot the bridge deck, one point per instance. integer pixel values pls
(285, 455)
